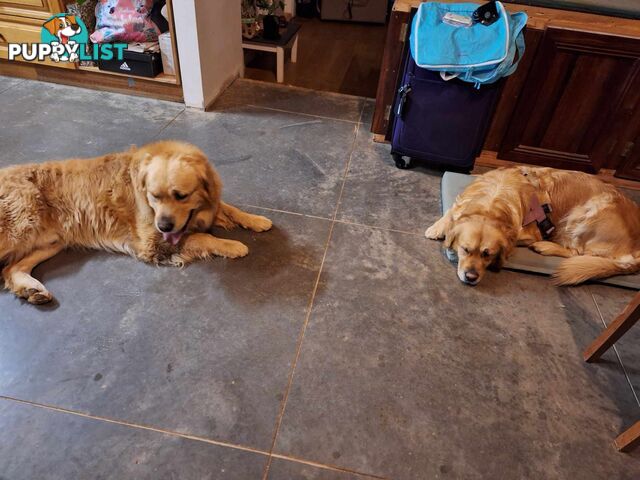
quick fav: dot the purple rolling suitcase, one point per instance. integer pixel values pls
(441, 123)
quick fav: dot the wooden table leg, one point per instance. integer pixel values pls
(280, 64)
(629, 439)
(294, 50)
(618, 327)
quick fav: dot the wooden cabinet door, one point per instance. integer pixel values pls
(630, 168)
(33, 12)
(623, 142)
(25, 3)
(11, 32)
(575, 90)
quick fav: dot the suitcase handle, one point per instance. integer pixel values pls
(403, 93)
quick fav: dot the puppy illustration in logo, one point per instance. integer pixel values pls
(63, 28)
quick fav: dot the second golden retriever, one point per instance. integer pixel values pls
(156, 203)
(597, 228)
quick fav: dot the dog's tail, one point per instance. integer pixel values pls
(578, 269)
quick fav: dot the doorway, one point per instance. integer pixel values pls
(337, 51)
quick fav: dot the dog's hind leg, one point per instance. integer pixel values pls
(551, 249)
(229, 216)
(18, 279)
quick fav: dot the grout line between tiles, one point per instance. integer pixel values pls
(311, 301)
(615, 349)
(626, 374)
(247, 205)
(406, 232)
(186, 436)
(273, 109)
(135, 425)
(326, 467)
(283, 87)
(13, 86)
(344, 222)
(168, 123)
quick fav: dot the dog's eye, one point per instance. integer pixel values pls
(486, 253)
(180, 196)
(465, 249)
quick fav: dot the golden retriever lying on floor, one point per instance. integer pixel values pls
(156, 203)
(597, 229)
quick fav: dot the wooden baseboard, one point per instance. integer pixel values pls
(490, 159)
(163, 77)
(95, 80)
(227, 83)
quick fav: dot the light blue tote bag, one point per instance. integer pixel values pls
(472, 52)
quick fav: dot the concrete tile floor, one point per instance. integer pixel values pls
(342, 347)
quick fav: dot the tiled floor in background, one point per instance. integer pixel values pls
(342, 347)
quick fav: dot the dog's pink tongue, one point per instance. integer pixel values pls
(172, 238)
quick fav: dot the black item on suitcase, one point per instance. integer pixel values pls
(442, 123)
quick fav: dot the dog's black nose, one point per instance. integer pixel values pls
(471, 276)
(165, 224)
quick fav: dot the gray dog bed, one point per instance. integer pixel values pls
(522, 258)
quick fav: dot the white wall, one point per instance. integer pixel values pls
(209, 36)
(290, 7)
(184, 17)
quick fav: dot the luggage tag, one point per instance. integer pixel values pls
(457, 20)
(486, 14)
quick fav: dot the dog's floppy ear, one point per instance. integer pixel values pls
(450, 237)
(507, 244)
(211, 183)
(141, 178)
(498, 262)
(51, 26)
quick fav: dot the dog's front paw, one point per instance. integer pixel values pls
(261, 224)
(434, 232)
(176, 260)
(232, 249)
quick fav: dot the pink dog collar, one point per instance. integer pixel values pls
(539, 214)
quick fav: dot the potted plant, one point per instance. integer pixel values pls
(86, 11)
(270, 25)
(249, 24)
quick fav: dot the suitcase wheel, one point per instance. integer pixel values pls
(402, 162)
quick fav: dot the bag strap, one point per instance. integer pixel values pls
(520, 22)
(449, 76)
